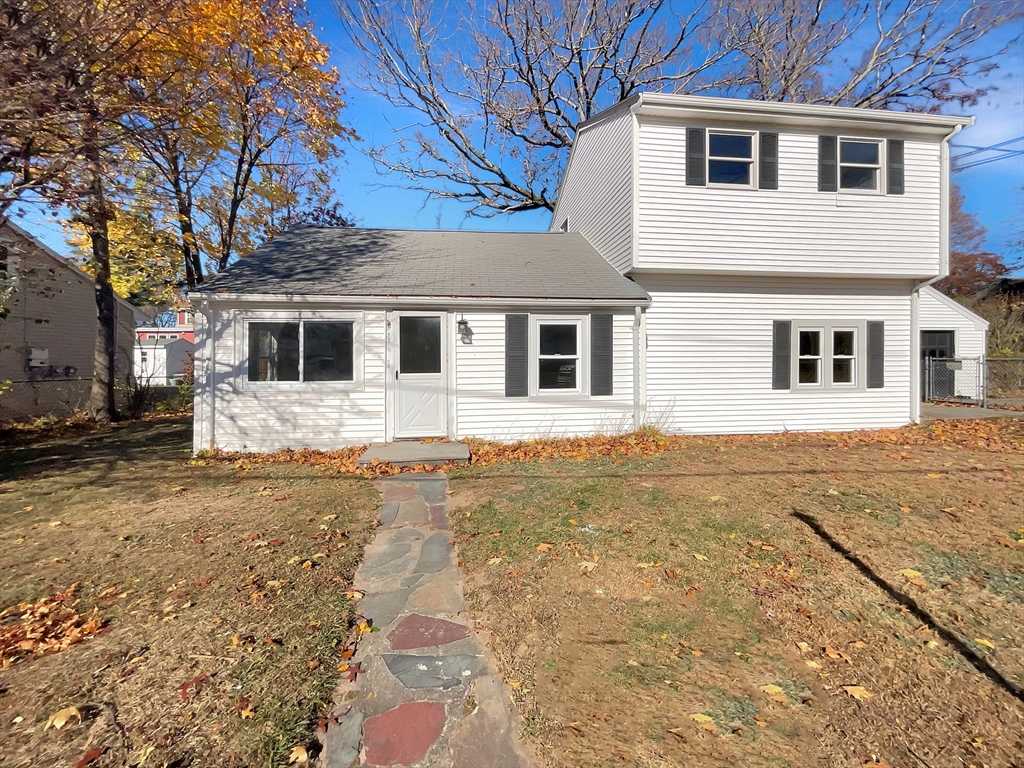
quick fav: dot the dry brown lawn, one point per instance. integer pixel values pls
(209, 600)
(775, 601)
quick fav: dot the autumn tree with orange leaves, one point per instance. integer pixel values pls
(207, 120)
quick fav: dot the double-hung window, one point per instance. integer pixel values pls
(558, 347)
(303, 350)
(731, 158)
(809, 366)
(844, 356)
(860, 164)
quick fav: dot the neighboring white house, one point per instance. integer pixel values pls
(713, 266)
(162, 361)
(951, 330)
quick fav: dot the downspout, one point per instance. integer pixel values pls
(915, 331)
(638, 414)
(210, 373)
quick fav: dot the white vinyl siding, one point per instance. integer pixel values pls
(795, 229)
(970, 333)
(482, 410)
(596, 195)
(320, 415)
(709, 354)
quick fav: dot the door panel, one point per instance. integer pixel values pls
(421, 393)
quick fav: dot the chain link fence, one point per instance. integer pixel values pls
(33, 398)
(1005, 380)
(955, 379)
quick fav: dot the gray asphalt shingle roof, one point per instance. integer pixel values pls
(331, 261)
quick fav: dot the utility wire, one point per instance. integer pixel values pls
(1000, 149)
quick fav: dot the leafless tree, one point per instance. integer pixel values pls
(494, 91)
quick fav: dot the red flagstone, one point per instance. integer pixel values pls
(403, 735)
(438, 519)
(400, 492)
(416, 631)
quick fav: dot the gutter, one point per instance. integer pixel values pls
(915, 292)
(421, 301)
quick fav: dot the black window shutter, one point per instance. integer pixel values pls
(894, 171)
(828, 170)
(696, 167)
(768, 174)
(782, 352)
(876, 354)
(517, 364)
(600, 354)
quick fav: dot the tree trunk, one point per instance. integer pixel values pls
(101, 397)
(189, 248)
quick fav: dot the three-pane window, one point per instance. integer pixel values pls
(730, 158)
(558, 363)
(859, 164)
(301, 351)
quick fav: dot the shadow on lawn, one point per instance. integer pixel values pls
(153, 442)
(911, 605)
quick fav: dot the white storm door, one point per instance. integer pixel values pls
(421, 392)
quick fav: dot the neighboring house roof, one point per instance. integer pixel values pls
(1004, 286)
(332, 261)
(942, 298)
(148, 343)
(71, 267)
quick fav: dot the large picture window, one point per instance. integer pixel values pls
(558, 364)
(301, 351)
(730, 158)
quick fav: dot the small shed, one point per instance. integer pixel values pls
(161, 362)
(953, 348)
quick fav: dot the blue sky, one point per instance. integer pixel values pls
(992, 191)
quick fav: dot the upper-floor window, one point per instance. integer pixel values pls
(730, 158)
(859, 164)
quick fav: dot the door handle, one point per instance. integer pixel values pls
(396, 374)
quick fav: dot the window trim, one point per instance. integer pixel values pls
(242, 320)
(827, 328)
(582, 323)
(752, 162)
(880, 178)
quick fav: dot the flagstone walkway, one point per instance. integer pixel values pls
(429, 696)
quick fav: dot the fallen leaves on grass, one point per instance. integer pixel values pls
(587, 566)
(771, 689)
(544, 547)
(49, 625)
(832, 653)
(986, 643)
(859, 692)
(298, 756)
(62, 717)
(90, 756)
(195, 684)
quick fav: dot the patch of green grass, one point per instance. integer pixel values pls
(728, 711)
(647, 630)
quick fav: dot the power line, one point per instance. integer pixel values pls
(1000, 149)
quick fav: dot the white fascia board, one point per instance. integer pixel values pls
(707, 108)
(955, 305)
(388, 302)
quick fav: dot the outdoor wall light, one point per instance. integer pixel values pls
(465, 332)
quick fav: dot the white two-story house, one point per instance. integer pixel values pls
(712, 266)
